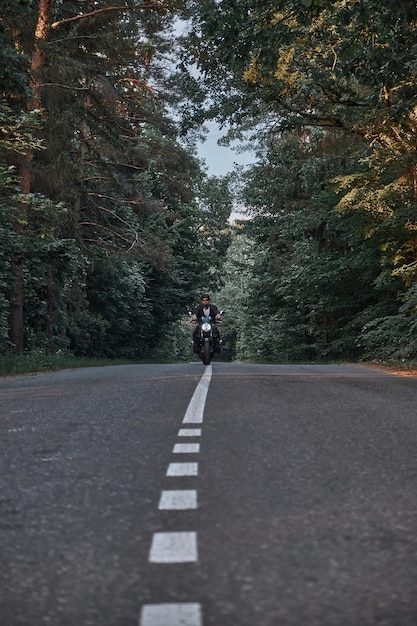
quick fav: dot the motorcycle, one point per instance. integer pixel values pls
(208, 339)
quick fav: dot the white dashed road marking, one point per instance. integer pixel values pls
(189, 432)
(182, 469)
(195, 410)
(176, 500)
(179, 547)
(176, 547)
(187, 448)
(171, 615)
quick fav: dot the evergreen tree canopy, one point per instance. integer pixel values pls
(102, 217)
(328, 90)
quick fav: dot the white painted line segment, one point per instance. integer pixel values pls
(186, 448)
(187, 614)
(177, 500)
(182, 469)
(179, 547)
(195, 410)
(174, 547)
(189, 432)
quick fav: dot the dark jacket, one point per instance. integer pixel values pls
(213, 311)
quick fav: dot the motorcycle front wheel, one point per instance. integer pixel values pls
(207, 353)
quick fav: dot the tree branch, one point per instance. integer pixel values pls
(97, 11)
(64, 86)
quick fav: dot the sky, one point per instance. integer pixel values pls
(219, 159)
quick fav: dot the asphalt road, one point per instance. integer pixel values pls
(273, 496)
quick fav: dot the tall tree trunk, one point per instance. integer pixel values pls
(53, 311)
(16, 306)
(16, 322)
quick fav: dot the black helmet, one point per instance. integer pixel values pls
(205, 295)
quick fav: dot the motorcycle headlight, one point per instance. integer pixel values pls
(206, 327)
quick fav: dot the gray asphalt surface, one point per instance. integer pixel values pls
(307, 493)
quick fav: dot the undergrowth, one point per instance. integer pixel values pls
(31, 362)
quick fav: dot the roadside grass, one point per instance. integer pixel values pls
(36, 361)
(31, 362)
(405, 368)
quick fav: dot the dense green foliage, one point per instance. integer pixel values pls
(105, 214)
(328, 91)
(110, 227)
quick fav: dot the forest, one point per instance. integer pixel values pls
(111, 226)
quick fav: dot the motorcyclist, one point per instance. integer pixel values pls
(205, 309)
